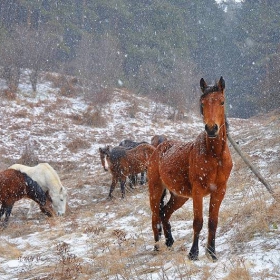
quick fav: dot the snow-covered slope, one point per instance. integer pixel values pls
(101, 239)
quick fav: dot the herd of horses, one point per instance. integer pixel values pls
(186, 170)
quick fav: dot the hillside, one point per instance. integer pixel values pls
(102, 239)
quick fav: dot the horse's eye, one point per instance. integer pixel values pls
(222, 103)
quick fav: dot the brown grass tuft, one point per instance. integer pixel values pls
(93, 117)
(102, 97)
(77, 144)
(9, 95)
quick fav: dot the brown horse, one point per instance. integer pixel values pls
(128, 143)
(125, 162)
(14, 186)
(157, 139)
(193, 170)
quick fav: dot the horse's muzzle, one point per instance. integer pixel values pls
(212, 131)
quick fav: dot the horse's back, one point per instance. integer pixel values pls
(43, 173)
(12, 183)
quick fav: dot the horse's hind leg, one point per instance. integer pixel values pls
(142, 179)
(156, 197)
(2, 211)
(7, 210)
(132, 180)
(174, 203)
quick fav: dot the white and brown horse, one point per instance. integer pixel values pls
(49, 181)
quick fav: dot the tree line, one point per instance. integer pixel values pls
(160, 47)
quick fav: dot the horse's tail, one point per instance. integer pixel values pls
(34, 191)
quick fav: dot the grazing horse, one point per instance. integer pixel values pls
(124, 162)
(49, 181)
(127, 143)
(157, 139)
(193, 170)
(14, 186)
(130, 143)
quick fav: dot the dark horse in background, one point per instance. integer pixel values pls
(127, 143)
(158, 139)
(125, 162)
(14, 186)
(193, 170)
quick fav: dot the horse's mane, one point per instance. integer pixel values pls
(34, 190)
(117, 152)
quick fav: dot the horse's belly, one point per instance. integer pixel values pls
(175, 178)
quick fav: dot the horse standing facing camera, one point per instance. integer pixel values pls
(193, 170)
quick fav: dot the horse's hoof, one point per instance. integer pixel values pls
(156, 247)
(169, 242)
(193, 257)
(211, 256)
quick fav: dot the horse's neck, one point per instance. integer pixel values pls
(216, 146)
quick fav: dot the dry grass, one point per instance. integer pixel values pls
(77, 144)
(9, 94)
(101, 98)
(67, 85)
(93, 117)
(114, 251)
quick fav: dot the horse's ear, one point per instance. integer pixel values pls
(203, 85)
(48, 195)
(221, 84)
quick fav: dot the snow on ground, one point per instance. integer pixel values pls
(96, 229)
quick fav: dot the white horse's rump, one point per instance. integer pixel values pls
(48, 180)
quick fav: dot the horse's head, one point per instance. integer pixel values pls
(59, 201)
(104, 152)
(212, 106)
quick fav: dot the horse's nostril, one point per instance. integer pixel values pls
(215, 127)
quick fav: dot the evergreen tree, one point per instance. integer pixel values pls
(258, 41)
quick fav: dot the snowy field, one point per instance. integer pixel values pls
(102, 239)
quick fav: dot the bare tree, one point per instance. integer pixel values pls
(98, 63)
(27, 48)
(39, 50)
(11, 52)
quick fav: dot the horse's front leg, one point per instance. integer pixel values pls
(197, 225)
(215, 203)
(113, 185)
(123, 180)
